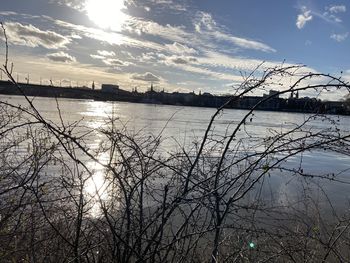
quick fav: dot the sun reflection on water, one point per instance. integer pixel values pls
(96, 187)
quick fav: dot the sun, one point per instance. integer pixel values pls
(107, 14)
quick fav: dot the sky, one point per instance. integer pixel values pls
(178, 45)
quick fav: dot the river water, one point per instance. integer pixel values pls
(180, 126)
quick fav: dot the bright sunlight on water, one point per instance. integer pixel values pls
(178, 127)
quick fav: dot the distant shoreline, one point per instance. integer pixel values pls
(298, 105)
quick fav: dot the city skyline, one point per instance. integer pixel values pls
(176, 45)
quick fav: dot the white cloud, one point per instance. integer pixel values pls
(337, 9)
(106, 53)
(170, 4)
(180, 60)
(335, 19)
(61, 57)
(148, 76)
(75, 4)
(184, 60)
(168, 32)
(331, 13)
(242, 42)
(29, 35)
(214, 64)
(206, 70)
(148, 57)
(207, 73)
(178, 48)
(97, 57)
(114, 62)
(8, 13)
(206, 26)
(111, 38)
(204, 20)
(303, 18)
(340, 37)
(107, 58)
(217, 60)
(177, 34)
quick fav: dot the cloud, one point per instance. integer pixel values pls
(207, 27)
(219, 60)
(106, 58)
(61, 57)
(149, 5)
(178, 48)
(207, 74)
(75, 4)
(111, 38)
(97, 57)
(335, 18)
(29, 35)
(242, 42)
(148, 57)
(182, 60)
(203, 67)
(337, 9)
(178, 35)
(170, 4)
(204, 20)
(106, 53)
(8, 13)
(303, 18)
(168, 32)
(340, 37)
(330, 15)
(215, 63)
(179, 60)
(210, 65)
(146, 77)
(114, 62)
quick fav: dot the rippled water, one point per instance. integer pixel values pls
(182, 125)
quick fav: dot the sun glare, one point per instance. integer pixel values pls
(106, 14)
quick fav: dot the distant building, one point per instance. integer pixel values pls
(151, 90)
(274, 93)
(294, 95)
(335, 107)
(109, 88)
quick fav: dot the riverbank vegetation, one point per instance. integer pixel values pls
(210, 202)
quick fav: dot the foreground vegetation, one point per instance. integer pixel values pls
(203, 203)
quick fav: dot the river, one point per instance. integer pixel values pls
(181, 126)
